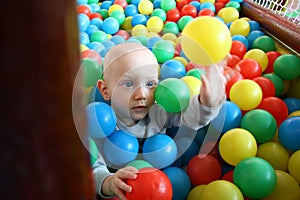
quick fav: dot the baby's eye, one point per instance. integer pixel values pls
(128, 84)
(150, 83)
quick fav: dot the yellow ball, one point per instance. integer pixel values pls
(236, 145)
(228, 14)
(145, 7)
(115, 7)
(294, 165)
(295, 113)
(169, 36)
(155, 24)
(221, 189)
(286, 187)
(275, 154)
(206, 40)
(193, 83)
(138, 30)
(127, 24)
(82, 47)
(259, 55)
(211, 1)
(239, 27)
(196, 192)
(246, 94)
(181, 59)
(152, 34)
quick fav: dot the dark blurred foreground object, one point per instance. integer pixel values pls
(42, 156)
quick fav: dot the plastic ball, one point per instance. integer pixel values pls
(255, 177)
(150, 183)
(167, 5)
(229, 117)
(120, 148)
(173, 15)
(254, 25)
(101, 120)
(253, 35)
(139, 30)
(221, 189)
(196, 72)
(106, 4)
(258, 55)
(207, 5)
(115, 7)
(93, 151)
(171, 27)
(235, 76)
(229, 14)
(196, 192)
(84, 9)
(265, 43)
(90, 53)
(110, 25)
(193, 83)
(249, 68)
(272, 56)
(145, 7)
(155, 24)
(159, 13)
(139, 164)
(242, 39)
(277, 82)
(130, 10)
(236, 145)
(190, 10)
(163, 50)
(293, 104)
(246, 94)
(172, 69)
(275, 154)
(294, 165)
(234, 4)
(289, 133)
(238, 48)
(160, 150)
(239, 27)
(92, 71)
(98, 36)
(276, 107)
(122, 3)
(200, 38)
(181, 184)
(118, 15)
(287, 66)
(267, 86)
(183, 21)
(203, 169)
(172, 94)
(206, 12)
(286, 187)
(83, 22)
(138, 19)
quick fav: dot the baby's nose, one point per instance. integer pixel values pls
(140, 93)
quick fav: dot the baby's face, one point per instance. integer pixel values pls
(131, 82)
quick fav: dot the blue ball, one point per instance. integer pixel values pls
(252, 36)
(181, 184)
(172, 69)
(151, 42)
(289, 133)
(94, 7)
(84, 38)
(91, 29)
(97, 22)
(254, 25)
(197, 5)
(208, 5)
(79, 2)
(187, 149)
(138, 19)
(229, 117)
(83, 22)
(156, 4)
(117, 39)
(101, 120)
(106, 4)
(120, 148)
(97, 46)
(130, 10)
(242, 39)
(135, 2)
(159, 150)
(110, 25)
(293, 104)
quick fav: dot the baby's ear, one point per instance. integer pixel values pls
(102, 87)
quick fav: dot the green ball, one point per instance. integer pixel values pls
(159, 13)
(172, 94)
(265, 43)
(103, 13)
(99, 36)
(92, 71)
(255, 177)
(93, 151)
(163, 50)
(234, 4)
(118, 15)
(196, 73)
(287, 66)
(167, 5)
(183, 21)
(277, 81)
(92, 1)
(139, 164)
(261, 124)
(171, 27)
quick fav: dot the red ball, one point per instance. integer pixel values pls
(189, 10)
(122, 3)
(234, 77)
(219, 6)
(233, 60)
(228, 176)
(181, 3)
(272, 55)
(266, 85)
(238, 48)
(173, 15)
(95, 15)
(276, 107)
(206, 12)
(203, 169)
(123, 33)
(89, 53)
(83, 9)
(249, 68)
(151, 183)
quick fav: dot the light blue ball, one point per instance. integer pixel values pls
(138, 19)
(97, 22)
(83, 22)
(151, 42)
(159, 150)
(101, 120)
(80, 2)
(120, 148)
(130, 10)
(84, 38)
(117, 39)
(106, 4)
(110, 25)
(91, 29)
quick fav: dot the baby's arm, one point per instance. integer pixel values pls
(112, 184)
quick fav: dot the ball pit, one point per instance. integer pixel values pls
(147, 22)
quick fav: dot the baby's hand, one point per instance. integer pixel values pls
(213, 84)
(115, 185)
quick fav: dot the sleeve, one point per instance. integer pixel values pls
(100, 172)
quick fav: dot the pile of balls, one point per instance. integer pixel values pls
(250, 150)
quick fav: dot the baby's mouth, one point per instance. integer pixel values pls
(139, 108)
